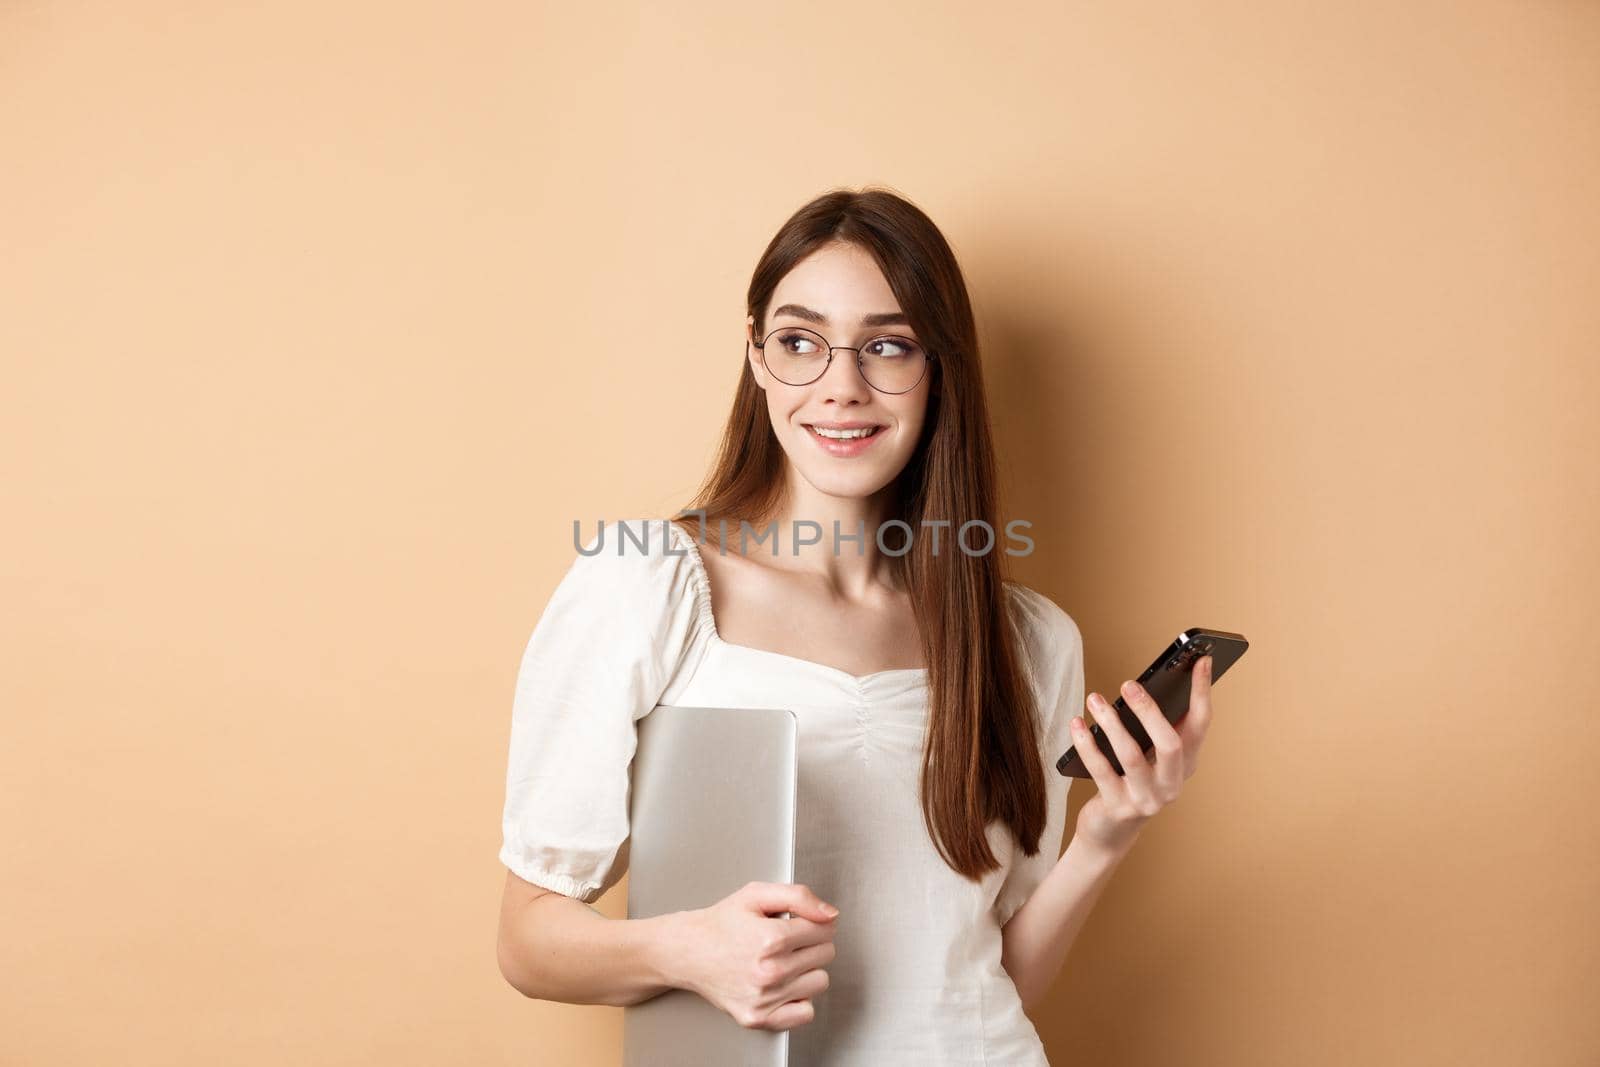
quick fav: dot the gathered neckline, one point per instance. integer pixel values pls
(708, 619)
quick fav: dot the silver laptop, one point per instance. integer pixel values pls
(711, 807)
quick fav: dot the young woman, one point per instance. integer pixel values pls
(933, 902)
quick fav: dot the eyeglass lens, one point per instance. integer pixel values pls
(889, 363)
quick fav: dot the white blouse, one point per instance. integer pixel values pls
(917, 977)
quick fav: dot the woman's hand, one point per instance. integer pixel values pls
(1113, 817)
(761, 968)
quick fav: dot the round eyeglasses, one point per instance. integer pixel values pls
(889, 364)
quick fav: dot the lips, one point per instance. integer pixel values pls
(845, 447)
(843, 425)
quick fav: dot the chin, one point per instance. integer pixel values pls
(856, 487)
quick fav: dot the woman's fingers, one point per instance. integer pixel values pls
(1136, 771)
(1197, 720)
(1166, 747)
(1105, 776)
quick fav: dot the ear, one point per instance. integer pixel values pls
(757, 370)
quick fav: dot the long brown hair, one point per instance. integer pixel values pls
(981, 760)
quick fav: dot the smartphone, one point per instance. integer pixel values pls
(1167, 680)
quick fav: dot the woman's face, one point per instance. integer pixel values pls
(852, 303)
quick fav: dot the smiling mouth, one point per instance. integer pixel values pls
(856, 434)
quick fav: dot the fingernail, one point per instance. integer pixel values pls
(829, 910)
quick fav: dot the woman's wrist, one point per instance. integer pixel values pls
(1096, 853)
(672, 939)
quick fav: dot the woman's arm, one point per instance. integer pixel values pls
(552, 947)
(1036, 938)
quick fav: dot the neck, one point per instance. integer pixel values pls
(849, 560)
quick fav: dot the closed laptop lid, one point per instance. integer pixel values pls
(711, 807)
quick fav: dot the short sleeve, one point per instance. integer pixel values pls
(1054, 647)
(612, 636)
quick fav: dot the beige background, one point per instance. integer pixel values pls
(322, 321)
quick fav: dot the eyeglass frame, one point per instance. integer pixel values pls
(927, 358)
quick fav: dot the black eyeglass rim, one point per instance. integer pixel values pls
(928, 357)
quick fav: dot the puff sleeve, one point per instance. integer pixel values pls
(1055, 649)
(612, 636)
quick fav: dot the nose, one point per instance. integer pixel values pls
(842, 381)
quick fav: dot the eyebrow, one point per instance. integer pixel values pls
(881, 318)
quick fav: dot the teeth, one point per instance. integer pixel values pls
(844, 435)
